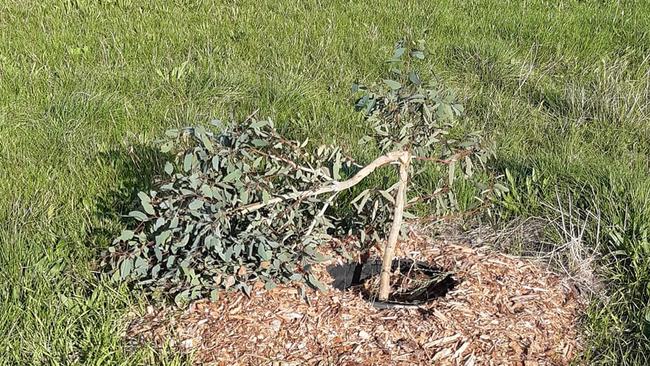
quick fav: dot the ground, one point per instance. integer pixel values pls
(503, 310)
(87, 86)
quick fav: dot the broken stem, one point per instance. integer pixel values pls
(335, 186)
(389, 249)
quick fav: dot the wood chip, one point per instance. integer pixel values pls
(504, 310)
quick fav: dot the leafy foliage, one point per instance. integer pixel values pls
(199, 231)
(236, 206)
(407, 113)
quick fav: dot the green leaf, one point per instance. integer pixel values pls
(162, 237)
(169, 168)
(313, 281)
(214, 295)
(259, 143)
(206, 141)
(126, 267)
(388, 196)
(451, 172)
(336, 169)
(206, 191)
(145, 200)
(243, 196)
(155, 270)
(148, 208)
(196, 204)
(414, 78)
(394, 85)
(233, 176)
(398, 53)
(444, 111)
(166, 147)
(182, 297)
(140, 262)
(418, 54)
(361, 195)
(126, 235)
(258, 124)
(138, 215)
(469, 166)
(263, 253)
(144, 197)
(188, 161)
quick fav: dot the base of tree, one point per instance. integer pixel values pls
(503, 310)
(415, 283)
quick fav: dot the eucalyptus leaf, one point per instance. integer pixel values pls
(126, 235)
(126, 267)
(313, 281)
(394, 85)
(138, 215)
(169, 168)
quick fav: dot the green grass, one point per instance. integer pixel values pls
(86, 86)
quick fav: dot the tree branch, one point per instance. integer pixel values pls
(320, 213)
(459, 155)
(334, 186)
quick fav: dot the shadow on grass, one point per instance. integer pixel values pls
(136, 168)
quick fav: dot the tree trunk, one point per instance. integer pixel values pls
(389, 249)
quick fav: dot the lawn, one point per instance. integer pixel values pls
(87, 86)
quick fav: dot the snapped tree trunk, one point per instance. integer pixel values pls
(389, 248)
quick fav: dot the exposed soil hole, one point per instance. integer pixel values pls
(415, 282)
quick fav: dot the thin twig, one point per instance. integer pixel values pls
(250, 116)
(293, 164)
(452, 159)
(320, 213)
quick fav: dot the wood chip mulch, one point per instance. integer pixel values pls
(504, 311)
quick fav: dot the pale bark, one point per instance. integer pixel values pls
(389, 249)
(335, 186)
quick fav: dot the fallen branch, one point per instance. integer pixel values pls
(334, 186)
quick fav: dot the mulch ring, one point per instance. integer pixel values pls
(503, 311)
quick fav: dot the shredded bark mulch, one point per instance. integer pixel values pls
(503, 311)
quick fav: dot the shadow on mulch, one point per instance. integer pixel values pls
(418, 282)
